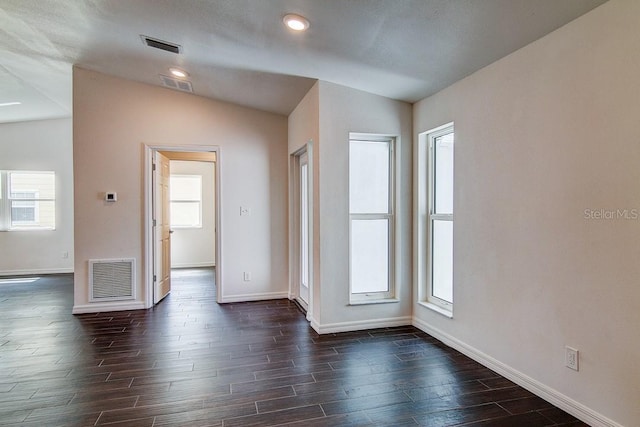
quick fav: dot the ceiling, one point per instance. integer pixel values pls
(239, 50)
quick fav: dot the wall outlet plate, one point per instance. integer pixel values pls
(571, 358)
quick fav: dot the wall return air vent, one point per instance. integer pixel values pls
(111, 279)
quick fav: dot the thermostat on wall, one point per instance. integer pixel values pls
(110, 197)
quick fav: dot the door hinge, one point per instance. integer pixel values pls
(154, 222)
(155, 278)
(153, 166)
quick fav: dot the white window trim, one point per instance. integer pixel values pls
(394, 157)
(199, 202)
(5, 202)
(424, 184)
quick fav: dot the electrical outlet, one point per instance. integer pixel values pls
(244, 211)
(247, 276)
(571, 358)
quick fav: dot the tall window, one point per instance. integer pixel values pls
(185, 195)
(440, 217)
(371, 208)
(27, 200)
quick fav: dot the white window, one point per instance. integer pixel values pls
(372, 225)
(27, 200)
(185, 195)
(436, 153)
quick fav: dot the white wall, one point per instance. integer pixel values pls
(541, 136)
(114, 118)
(343, 110)
(195, 247)
(44, 145)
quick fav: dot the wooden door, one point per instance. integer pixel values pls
(161, 229)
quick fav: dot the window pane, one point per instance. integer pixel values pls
(32, 185)
(40, 214)
(369, 177)
(443, 260)
(32, 197)
(443, 165)
(185, 187)
(185, 214)
(370, 256)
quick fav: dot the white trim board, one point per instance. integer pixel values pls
(547, 393)
(36, 271)
(194, 265)
(360, 325)
(108, 306)
(254, 297)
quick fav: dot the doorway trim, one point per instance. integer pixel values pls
(294, 225)
(149, 152)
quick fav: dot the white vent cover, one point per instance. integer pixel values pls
(171, 83)
(111, 279)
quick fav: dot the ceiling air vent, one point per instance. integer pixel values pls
(161, 44)
(176, 84)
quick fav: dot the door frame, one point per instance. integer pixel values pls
(149, 153)
(294, 225)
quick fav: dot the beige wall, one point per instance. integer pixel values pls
(541, 136)
(114, 118)
(343, 110)
(304, 128)
(195, 247)
(44, 145)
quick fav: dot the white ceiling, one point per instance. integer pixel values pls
(239, 51)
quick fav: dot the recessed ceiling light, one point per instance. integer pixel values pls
(177, 72)
(296, 22)
(8, 104)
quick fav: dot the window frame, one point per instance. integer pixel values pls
(390, 216)
(6, 202)
(199, 202)
(426, 183)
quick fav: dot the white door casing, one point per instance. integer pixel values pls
(303, 173)
(161, 229)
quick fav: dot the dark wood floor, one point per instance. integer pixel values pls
(191, 362)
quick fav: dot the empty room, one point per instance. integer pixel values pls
(319, 213)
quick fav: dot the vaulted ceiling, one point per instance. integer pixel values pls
(240, 51)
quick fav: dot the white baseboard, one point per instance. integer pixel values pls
(33, 272)
(194, 265)
(547, 393)
(254, 297)
(360, 325)
(103, 307)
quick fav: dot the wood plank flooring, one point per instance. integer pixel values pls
(191, 362)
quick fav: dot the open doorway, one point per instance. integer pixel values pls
(180, 242)
(301, 229)
(192, 213)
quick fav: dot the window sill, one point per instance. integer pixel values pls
(437, 309)
(374, 301)
(27, 229)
